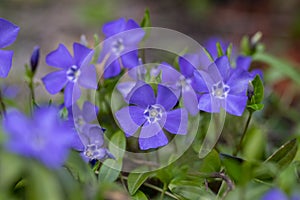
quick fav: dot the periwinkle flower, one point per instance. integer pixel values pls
(121, 44)
(75, 71)
(153, 114)
(182, 82)
(222, 86)
(277, 194)
(44, 136)
(8, 34)
(93, 141)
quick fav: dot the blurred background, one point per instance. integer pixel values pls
(47, 23)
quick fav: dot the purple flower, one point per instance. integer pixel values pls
(222, 86)
(9, 91)
(182, 83)
(8, 34)
(122, 39)
(44, 137)
(274, 194)
(93, 141)
(152, 114)
(75, 71)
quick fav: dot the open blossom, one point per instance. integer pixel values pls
(277, 194)
(222, 86)
(90, 139)
(74, 72)
(8, 34)
(182, 83)
(44, 136)
(153, 114)
(120, 45)
(93, 141)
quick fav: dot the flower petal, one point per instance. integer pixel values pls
(243, 62)
(188, 63)
(5, 62)
(88, 77)
(125, 88)
(223, 66)
(114, 27)
(89, 111)
(190, 101)
(113, 69)
(60, 58)
(209, 104)
(166, 97)
(81, 53)
(55, 81)
(8, 33)
(177, 121)
(130, 59)
(169, 75)
(142, 95)
(236, 105)
(152, 136)
(128, 119)
(72, 94)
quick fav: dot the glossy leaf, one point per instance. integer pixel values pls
(211, 163)
(139, 195)
(111, 168)
(135, 180)
(285, 154)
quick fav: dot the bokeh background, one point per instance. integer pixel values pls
(47, 23)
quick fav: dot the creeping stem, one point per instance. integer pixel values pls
(238, 148)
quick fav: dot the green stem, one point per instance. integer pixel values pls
(163, 192)
(160, 190)
(238, 148)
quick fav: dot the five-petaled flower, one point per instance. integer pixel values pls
(44, 137)
(8, 34)
(89, 140)
(152, 114)
(121, 43)
(222, 86)
(74, 71)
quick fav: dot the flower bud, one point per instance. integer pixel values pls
(34, 60)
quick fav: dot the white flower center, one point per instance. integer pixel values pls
(117, 46)
(73, 73)
(183, 83)
(220, 90)
(93, 151)
(153, 113)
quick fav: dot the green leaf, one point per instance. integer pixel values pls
(111, 168)
(135, 180)
(43, 184)
(255, 107)
(285, 154)
(139, 195)
(257, 95)
(258, 90)
(254, 144)
(79, 169)
(190, 190)
(211, 163)
(146, 22)
(279, 65)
